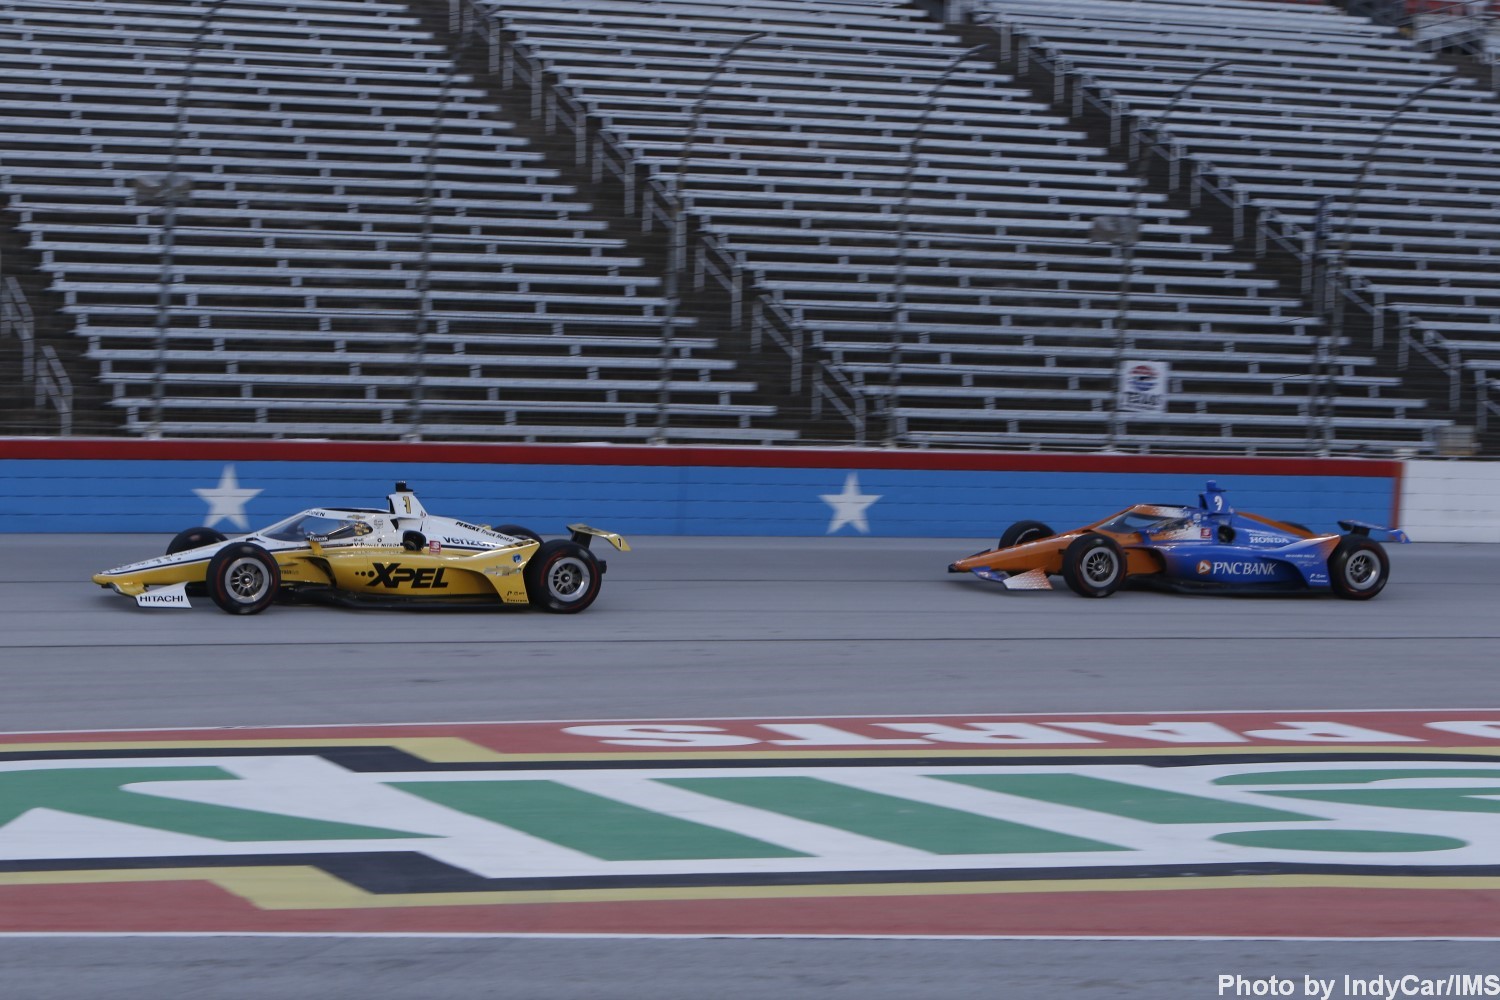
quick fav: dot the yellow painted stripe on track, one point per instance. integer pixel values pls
(298, 887)
(434, 749)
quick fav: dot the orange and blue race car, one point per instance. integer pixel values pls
(1209, 548)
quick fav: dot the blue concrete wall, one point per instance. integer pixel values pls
(891, 494)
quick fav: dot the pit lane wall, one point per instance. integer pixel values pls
(51, 485)
(1452, 501)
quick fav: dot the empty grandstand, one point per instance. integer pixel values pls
(370, 218)
(1317, 111)
(970, 253)
(354, 238)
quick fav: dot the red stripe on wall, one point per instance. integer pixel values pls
(1396, 492)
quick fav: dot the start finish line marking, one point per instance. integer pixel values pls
(1280, 824)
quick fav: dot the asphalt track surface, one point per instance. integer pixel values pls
(722, 628)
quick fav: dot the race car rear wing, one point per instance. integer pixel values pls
(1364, 528)
(583, 534)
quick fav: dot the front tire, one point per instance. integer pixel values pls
(1358, 568)
(1093, 566)
(243, 579)
(563, 577)
(1022, 532)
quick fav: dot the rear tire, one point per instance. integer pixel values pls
(243, 579)
(563, 577)
(1358, 568)
(517, 531)
(1022, 532)
(193, 538)
(1093, 566)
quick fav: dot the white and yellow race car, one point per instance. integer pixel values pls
(367, 557)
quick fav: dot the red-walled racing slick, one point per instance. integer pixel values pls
(1207, 548)
(399, 556)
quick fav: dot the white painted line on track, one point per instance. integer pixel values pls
(744, 718)
(469, 935)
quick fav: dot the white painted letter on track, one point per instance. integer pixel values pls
(662, 736)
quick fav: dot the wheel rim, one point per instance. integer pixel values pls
(1100, 567)
(247, 580)
(568, 579)
(1029, 535)
(1362, 571)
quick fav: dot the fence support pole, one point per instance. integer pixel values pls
(170, 190)
(424, 256)
(1126, 234)
(899, 317)
(1336, 279)
(677, 236)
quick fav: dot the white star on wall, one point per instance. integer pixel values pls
(226, 502)
(849, 506)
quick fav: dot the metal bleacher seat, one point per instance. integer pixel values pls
(801, 196)
(307, 249)
(1310, 97)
